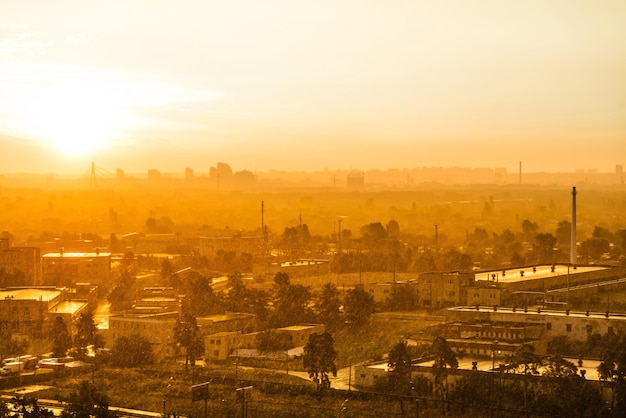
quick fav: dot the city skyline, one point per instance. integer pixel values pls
(313, 85)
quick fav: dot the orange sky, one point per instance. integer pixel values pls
(303, 85)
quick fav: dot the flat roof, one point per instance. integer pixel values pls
(30, 294)
(298, 327)
(76, 255)
(68, 307)
(485, 365)
(541, 312)
(514, 275)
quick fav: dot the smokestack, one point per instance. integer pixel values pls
(573, 238)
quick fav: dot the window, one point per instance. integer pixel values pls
(212, 342)
(26, 311)
(589, 329)
(216, 353)
(362, 376)
(548, 326)
(218, 342)
(568, 327)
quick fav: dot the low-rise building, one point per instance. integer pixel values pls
(26, 260)
(156, 328)
(66, 269)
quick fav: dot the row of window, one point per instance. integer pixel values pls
(568, 328)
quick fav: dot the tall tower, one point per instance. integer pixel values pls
(572, 251)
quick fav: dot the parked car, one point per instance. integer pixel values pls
(54, 362)
(13, 367)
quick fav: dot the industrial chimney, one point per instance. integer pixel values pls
(573, 238)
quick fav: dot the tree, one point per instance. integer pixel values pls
(131, 351)
(86, 334)
(359, 306)
(87, 402)
(24, 407)
(186, 334)
(444, 358)
(328, 305)
(526, 359)
(61, 338)
(544, 247)
(530, 228)
(200, 299)
(121, 296)
(400, 371)
(613, 369)
(319, 359)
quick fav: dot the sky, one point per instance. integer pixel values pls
(307, 85)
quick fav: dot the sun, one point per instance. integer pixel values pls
(75, 118)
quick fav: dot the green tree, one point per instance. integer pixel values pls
(134, 350)
(24, 407)
(86, 401)
(121, 296)
(61, 339)
(86, 334)
(400, 371)
(444, 359)
(525, 360)
(319, 359)
(358, 306)
(200, 299)
(328, 305)
(186, 334)
(613, 369)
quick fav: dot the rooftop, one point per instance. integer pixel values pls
(540, 312)
(76, 255)
(68, 307)
(30, 294)
(533, 273)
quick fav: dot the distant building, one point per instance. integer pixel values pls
(355, 180)
(516, 325)
(64, 268)
(438, 289)
(22, 259)
(154, 175)
(209, 246)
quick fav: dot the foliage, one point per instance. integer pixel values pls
(328, 305)
(87, 401)
(444, 359)
(24, 407)
(86, 334)
(613, 369)
(60, 337)
(121, 296)
(200, 299)
(291, 302)
(186, 334)
(319, 359)
(400, 371)
(358, 306)
(131, 351)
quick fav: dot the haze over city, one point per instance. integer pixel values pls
(308, 85)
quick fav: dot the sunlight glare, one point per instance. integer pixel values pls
(75, 118)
